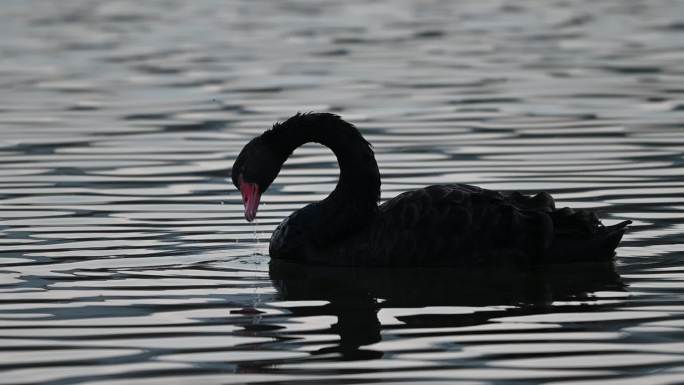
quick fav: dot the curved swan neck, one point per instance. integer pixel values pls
(359, 175)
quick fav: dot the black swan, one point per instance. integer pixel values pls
(440, 225)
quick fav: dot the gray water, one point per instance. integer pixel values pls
(125, 258)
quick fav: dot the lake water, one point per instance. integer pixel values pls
(125, 258)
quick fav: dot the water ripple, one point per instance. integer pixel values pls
(125, 258)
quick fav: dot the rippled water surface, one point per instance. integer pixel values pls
(125, 258)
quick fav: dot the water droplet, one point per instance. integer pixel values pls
(256, 236)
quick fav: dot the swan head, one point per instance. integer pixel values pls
(253, 172)
(261, 159)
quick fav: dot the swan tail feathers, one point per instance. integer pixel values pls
(579, 236)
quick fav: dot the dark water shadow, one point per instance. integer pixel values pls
(356, 294)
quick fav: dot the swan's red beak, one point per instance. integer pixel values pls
(250, 198)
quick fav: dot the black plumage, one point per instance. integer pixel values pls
(439, 225)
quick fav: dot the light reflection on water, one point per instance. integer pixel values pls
(125, 258)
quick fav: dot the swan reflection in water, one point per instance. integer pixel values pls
(356, 294)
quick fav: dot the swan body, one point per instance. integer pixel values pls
(439, 225)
